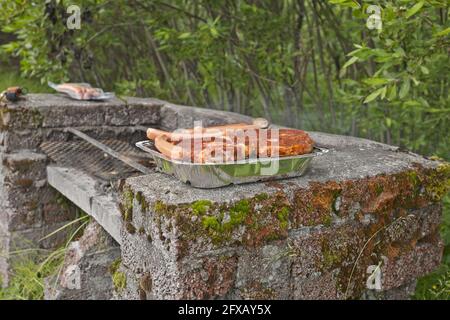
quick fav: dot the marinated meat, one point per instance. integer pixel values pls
(232, 145)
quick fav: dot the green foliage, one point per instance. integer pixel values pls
(30, 271)
(437, 284)
(9, 78)
(402, 75)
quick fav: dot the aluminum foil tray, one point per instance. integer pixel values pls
(208, 176)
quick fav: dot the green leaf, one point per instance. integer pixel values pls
(346, 3)
(424, 70)
(350, 62)
(424, 102)
(184, 35)
(404, 90)
(214, 32)
(442, 33)
(383, 92)
(414, 9)
(375, 81)
(337, 1)
(374, 95)
(392, 92)
(388, 122)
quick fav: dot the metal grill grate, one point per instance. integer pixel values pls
(82, 155)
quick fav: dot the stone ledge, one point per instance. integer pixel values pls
(54, 110)
(81, 189)
(50, 111)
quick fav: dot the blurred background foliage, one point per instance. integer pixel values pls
(309, 64)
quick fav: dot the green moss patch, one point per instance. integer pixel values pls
(118, 277)
(250, 221)
(200, 207)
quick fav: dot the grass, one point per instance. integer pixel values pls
(31, 266)
(10, 77)
(29, 272)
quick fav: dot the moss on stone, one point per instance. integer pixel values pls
(381, 195)
(250, 222)
(127, 208)
(115, 266)
(37, 118)
(119, 278)
(315, 205)
(200, 207)
(262, 196)
(259, 220)
(160, 208)
(283, 217)
(21, 118)
(330, 258)
(142, 202)
(219, 228)
(211, 222)
(128, 217)
(239, 212)
(327, 221)
(439, 184)
(131, 229)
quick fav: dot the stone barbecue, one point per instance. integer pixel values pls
(363, 222)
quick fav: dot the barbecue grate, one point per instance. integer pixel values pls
(83, 155)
